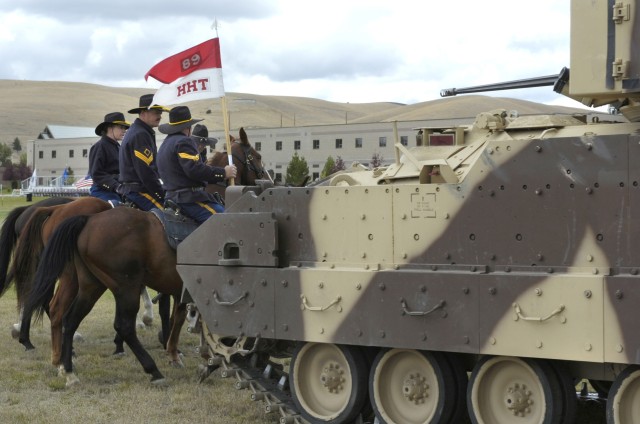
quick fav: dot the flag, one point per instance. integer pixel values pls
(65, 174)
(193, 74)
(33, 181)
(84, 182)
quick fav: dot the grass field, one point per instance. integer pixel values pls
(111, 390)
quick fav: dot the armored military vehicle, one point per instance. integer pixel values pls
(484, 273)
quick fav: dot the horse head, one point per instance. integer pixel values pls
(245, 158)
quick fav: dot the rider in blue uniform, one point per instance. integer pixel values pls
(138, 169)
(184, 175)
(103, 158)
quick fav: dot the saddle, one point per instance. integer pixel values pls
(177, 227)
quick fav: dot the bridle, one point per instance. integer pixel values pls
(249, 161)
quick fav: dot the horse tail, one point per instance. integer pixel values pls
(57, 255)
(8, 238)
(27, 253)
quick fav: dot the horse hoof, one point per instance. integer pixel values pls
(159, 382)
(176, 363)
(147, 320)
(15, 331)
(72, 380)
(118, 355)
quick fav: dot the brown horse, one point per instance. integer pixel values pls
(246, 159)
(30, 244)
(122, 250)
(11, 229)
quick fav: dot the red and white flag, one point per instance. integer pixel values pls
(193, 74)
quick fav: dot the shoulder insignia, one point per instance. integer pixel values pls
(146, 157)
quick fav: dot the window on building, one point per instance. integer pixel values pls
(404, 140)
(53, 154)
(71, 153)
(316, 175)
(278, 145)
(316, 144)
(382, 141)
(296, 144)
(315, 165)
(40, 154)
(338, 143)
(358, 143)
(278, 177)
(258, 146)
(84, 153)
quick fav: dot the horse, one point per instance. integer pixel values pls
(30, 244)
(11, 228)
(121, 250)
(127, 250)
(246, 159)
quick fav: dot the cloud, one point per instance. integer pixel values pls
(356, 51)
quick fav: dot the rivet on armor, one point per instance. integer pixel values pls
(215, 322)
(322, 331)
(381, 286)
(473, 268)
(539, 344)
(595, 271)
(364, 255)
(588, 347)
(538, 191)
(465, 290)
(324, 217)
(589, 146)
(404, 216)
(264, 283)
(230, 282)
(239, 324)
(366, 266)
(619, 348)
(416, 237)
(493, 290)
(563, 320)
(434, 267)
(587, 294)
(550, 270)
(423, 288)
(363, 217)
(589, 190)
(382, 335)
(447, 255)
(446, 216)
(539, 256)
(634, 271)
(619, 294)
(358, 286)
(285, 283)
(359, 333)
(404, 256)
(324, 254)
(538, 292)
(424, 337)
(370, 236)
(285, 327)
(538, 149)
(466, 340)
(493, 340)
(321, 284)
(396, 267)
(589, 258)
(198, 280)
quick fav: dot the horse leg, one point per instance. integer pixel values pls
(127, 306)
(164, 310)
(177, 320)
(15, 328)
(60, 303)
(80, 307)
(147, 316)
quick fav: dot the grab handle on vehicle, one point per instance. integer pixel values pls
(225, 303)
(539, 319)
(406, 310)
(305, 305)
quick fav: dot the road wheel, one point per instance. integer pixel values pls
(623, 403)
(328, 382)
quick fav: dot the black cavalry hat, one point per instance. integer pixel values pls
(200, 134)
(145, 104)
(179, 119)
(113, 118)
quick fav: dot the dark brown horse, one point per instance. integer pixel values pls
(11, 229)
(121, 250)
(246, 159)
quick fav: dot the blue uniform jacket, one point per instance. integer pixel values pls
(138, 159)
(103, 163)
(183, 173)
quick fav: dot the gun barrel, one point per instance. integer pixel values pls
(509, 85)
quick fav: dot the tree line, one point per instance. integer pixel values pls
(14, 172)
(298, 170)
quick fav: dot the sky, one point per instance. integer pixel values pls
(354, 51)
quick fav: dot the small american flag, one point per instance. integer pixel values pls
(84, 182)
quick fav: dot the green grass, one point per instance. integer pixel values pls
(111, 390)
